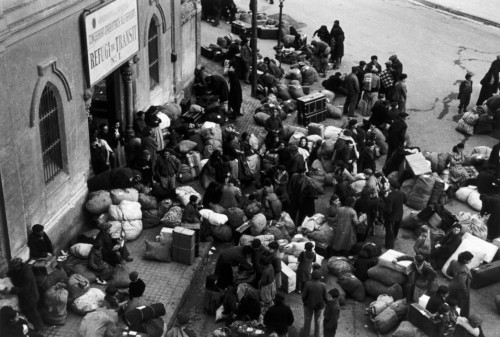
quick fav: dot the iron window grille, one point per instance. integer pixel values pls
(154, 73)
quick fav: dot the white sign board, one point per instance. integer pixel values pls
(112, 36)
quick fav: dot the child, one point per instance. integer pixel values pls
(464, 93)
(113, 299)
(304, 269)
(266, 284)
(136, 286)
(213, 296)
(332, 313)
(422, 245)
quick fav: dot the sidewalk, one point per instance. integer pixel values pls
(485, 11)
(166, 283)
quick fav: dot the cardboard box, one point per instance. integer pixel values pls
(417, 164)
(166, 235)
(423, 320)
(183, 238)
(183, 255)
(44, 266)
(196, 228)
(288, 279)
(385, 260)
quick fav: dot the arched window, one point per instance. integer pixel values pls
(154, 72)
(50, 135)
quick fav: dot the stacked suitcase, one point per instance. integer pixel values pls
(423, 320)
(267, 32)
(183, 245)
(240, 28)
(485, 275)
(311, 108)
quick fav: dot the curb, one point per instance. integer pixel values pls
(203, 259)
(458, 13)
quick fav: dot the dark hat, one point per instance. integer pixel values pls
(394, 183)
(133, 276)
(352, 122)
(193, 198)
(347, 133)
(316, 275)
(403, 114)
(279, 296)
(457, 225)
(475, 319)
(8, 313)
(301, 170)
(393, 57)
(334, 293)
(256, 243)
(419, 258)
(274, 245)
(309, 245)
(37, 228)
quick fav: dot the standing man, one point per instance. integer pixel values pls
(400, 92)
(352, 87)
(332, 313)
(166, 170)
(361, 75)
(396, 134)
(374, 63)
(235, 95)
(279, 318)
(393, 214)
(274, 127)
(371, 87)
(397, 66)
(387, 81)
(274, 255)
(298, 181)
(314, 297)
(464, 93)
(148, 143)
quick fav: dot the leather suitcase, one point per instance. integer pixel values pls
(423, 320)
(239, 27)
(267, 33)
(485, 275)
(207, 52)
(44, 266)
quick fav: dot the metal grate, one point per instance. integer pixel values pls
(50, 135)
(154, 72)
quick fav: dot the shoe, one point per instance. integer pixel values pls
(247, 82)
(129, 259)
(99, 281)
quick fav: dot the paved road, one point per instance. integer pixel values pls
(437, 50)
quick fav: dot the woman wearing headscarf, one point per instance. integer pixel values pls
(235, 95)
(323, 34)
(459, 174)
(344, 236)
(338, 51)
(113, 250)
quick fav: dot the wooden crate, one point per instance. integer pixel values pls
(316, 117)
(311, 103)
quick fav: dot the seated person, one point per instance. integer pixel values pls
(96, 264)
(136, 286)
(422, 245)
(273, 68)
(39, 243)
(191, 213)
(447, 326)
(442, 251)
(113, 250)
(249, 308)
(335, 83)
(113, 299)
(469, 326)
(437, 299)
(213, 295)
(12, 325)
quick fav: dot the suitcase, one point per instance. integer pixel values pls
(288, 279)
(316, 117)
(311, 103)
(207, 52)
(423, 320)
(239, 27)
(485, 275)
(183, 255)
(192, 117)
(44, 266)
(267, 33)
(385, 260)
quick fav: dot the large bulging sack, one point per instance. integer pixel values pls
(463, 193)
(186, 145)
(375, 288)
(339, 266)
(121, 276)
(333, 111)
(353, 287)
(222, 233)
(150, 218)
(147, 202)
(88, 302)
(55, 300)
(81, 250)
(474, 201)
(173, 217)
(77, 286)
(386, 276)
(45, 282)
(137, 317)
(406, 329)
(410, 221)
(184, 192)
(128, 230)
(296, 91)
(172, 110)
(385, 321)
(98, 202)
(421, 192)
(400, 307)
(278, 233)
(236, 217)
(164, 207)
(158, 251)
(125, 211)
(287, 222)
(316, 129)
(97, 323)
(309, 75)
(118, 195)
(257, 224)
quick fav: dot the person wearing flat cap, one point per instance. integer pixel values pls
(397, 67)
(332, 313)
(396, 135)
(39, 243)
(314, 298)
(113, 250)
(393, 214)
(444, 248)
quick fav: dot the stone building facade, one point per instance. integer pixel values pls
(54, 54)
